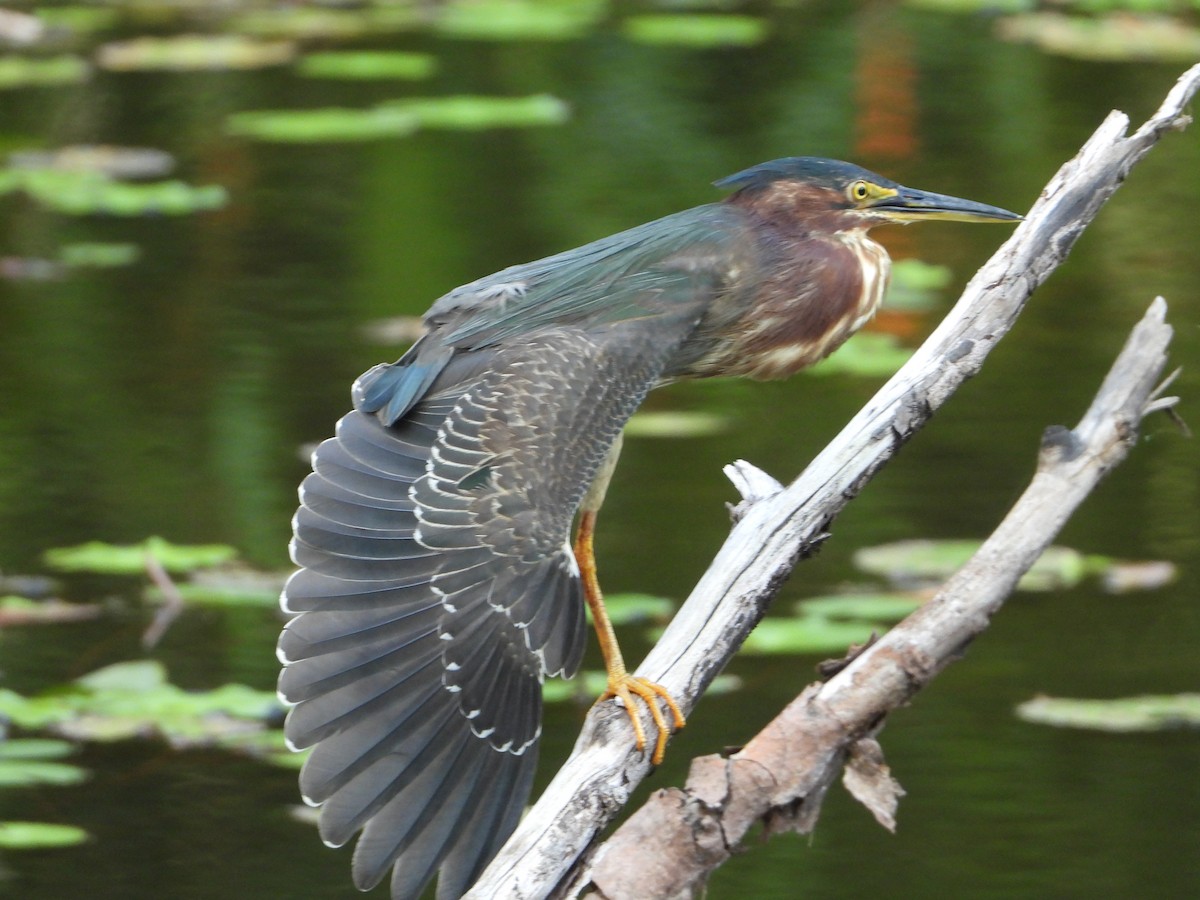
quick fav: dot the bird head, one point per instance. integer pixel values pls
(839, 196)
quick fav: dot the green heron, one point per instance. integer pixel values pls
(438, 582)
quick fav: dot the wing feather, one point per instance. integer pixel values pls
(437, 587)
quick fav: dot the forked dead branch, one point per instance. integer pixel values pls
(548, 853)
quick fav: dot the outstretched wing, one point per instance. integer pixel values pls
(437, 589)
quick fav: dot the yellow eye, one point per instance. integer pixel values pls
(859, 191)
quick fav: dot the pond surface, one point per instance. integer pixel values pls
(174, 395)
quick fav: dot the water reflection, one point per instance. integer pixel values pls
(172, 396)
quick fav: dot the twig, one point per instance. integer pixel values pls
(173, 603)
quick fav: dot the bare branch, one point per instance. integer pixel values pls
(773, 533)
(783, 773)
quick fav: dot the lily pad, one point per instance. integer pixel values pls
(692, 30)
(31, 772)
(927, 562)
(326, 125)
(307, 22)
(79, 19)
(193, 52)
(470, 113)
(90, 193)
(515, 20)
(130, 559)
(22, 71)
(806, 634)
(915, 285)
(23, 611)
(397, 118)
(1145, 713)
(98, 255)
(974, 6)
(626, 609)
(869, 607)
(869, 353)
(1120, 37)
(368, 65)
(135, 699)
(28, 762)
(35, 748)
(108, 159)
(39, 835)
(221, 595)
(675, 424)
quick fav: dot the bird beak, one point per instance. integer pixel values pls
(912, 205)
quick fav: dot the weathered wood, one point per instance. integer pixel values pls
(669, 847)
(773, 531)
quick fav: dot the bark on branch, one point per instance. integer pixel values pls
(669, 847)
(776, 527)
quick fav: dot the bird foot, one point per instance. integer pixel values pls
(625, 687)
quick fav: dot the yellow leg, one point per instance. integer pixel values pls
(620, 682)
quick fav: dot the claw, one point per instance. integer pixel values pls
(625, 686)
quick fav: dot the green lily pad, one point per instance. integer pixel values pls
(869, 353)
(692, 30)
(915, 285)
(22, 71)
(471, 113)
(673, 423)
(925, 562)
(1145, 713)
(23, 611)
(28, 762)
(806, 634)
(397, 118)
(135, 699)
(308, 22)
(98, 255)
(326, 125)
(516, 20)
(870, 607)
(130, 559)
(368, 65)
(90, 193)
(193, 52)
(35, 748)
(31, 772)
(627, 609)
(217, 595)
(79, 19)
(39, 835)
(974, 6)
(1114, 38)
(107, 159)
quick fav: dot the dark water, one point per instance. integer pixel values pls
(172, 397)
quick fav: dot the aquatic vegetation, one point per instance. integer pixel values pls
(675, 423)
(697, 30)
(193, 52)
(397, 118)
(1145, 713)
(516, 20)
(23, 71)
(868, 353)
(135, 700)
(91, 193)
(130, 559)
(368, 65)
(39, 835)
